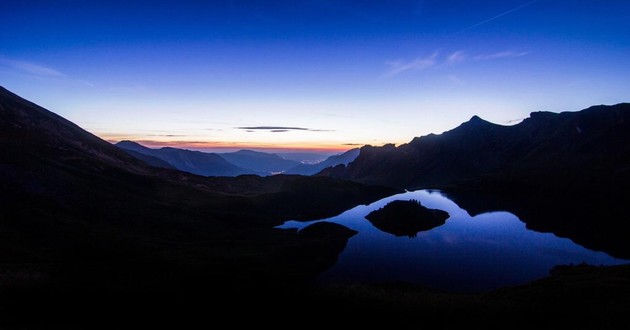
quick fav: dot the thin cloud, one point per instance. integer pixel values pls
(185, 144)
(438, 62)
(31, 68)
(504, 54)
(514, 121)
(271, 128)
(168, 135)
(456, 57)
(496, 17)
(352, 144)
(421, 63)
(279, 129)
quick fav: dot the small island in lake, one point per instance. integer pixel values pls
(406, 218)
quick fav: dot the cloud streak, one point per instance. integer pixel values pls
(279, 129)
(420, 63)
(31, 68)
(456, 57)
(504, 54)
(436, 61)
(168, 135)
(271, 128)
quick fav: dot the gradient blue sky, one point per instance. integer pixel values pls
(313, 73)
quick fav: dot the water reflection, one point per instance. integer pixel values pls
(467, 253)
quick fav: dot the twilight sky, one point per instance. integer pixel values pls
(310, 74)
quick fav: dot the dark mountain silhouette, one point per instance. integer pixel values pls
(305, 157)
(259, 162)
(92, 237)
(196, 162)
(569, 149)
(566, 173)
(310, 169)
(153, 161)
(78, 215)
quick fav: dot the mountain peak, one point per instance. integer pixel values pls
(478, 121)
(131, 145)
(128, 142)
(249, 152)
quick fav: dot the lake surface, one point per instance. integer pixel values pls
(466, 254)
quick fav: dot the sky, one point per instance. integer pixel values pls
(317, 75)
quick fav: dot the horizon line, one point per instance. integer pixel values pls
(217, 147)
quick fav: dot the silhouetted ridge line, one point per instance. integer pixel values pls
(550, 150)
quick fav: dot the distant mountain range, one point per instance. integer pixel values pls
(85, 227)
(229, 164)
(82, 213)
(196, 162)
(310, 169)
(150, 160)
(569, 149)
(259, 162)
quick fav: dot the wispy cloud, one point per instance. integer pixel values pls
(502, 54)
(168, 135)
(496, 17)
(456, 57)
(39, 71)
(420, 63)
(31, 68)
(352, 144)
(271, 128)
(279, 129)
(423, 63)
(437, 61)
(514, 121)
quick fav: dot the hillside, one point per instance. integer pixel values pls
(195, 162)
(77, 212)
(568, 149)
(259, 162)
(92, 237)
(334, 160)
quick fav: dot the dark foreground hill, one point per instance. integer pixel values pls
(561, 150)
(78, 213)
(566, 173)
(94, 238)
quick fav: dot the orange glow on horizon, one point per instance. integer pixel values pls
(234, 146)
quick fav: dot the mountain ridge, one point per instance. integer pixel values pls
(334, 160)
(242, 162)
(195, 162)
(92, 236)
(259, 162)
(557, 148)
(75, 209)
